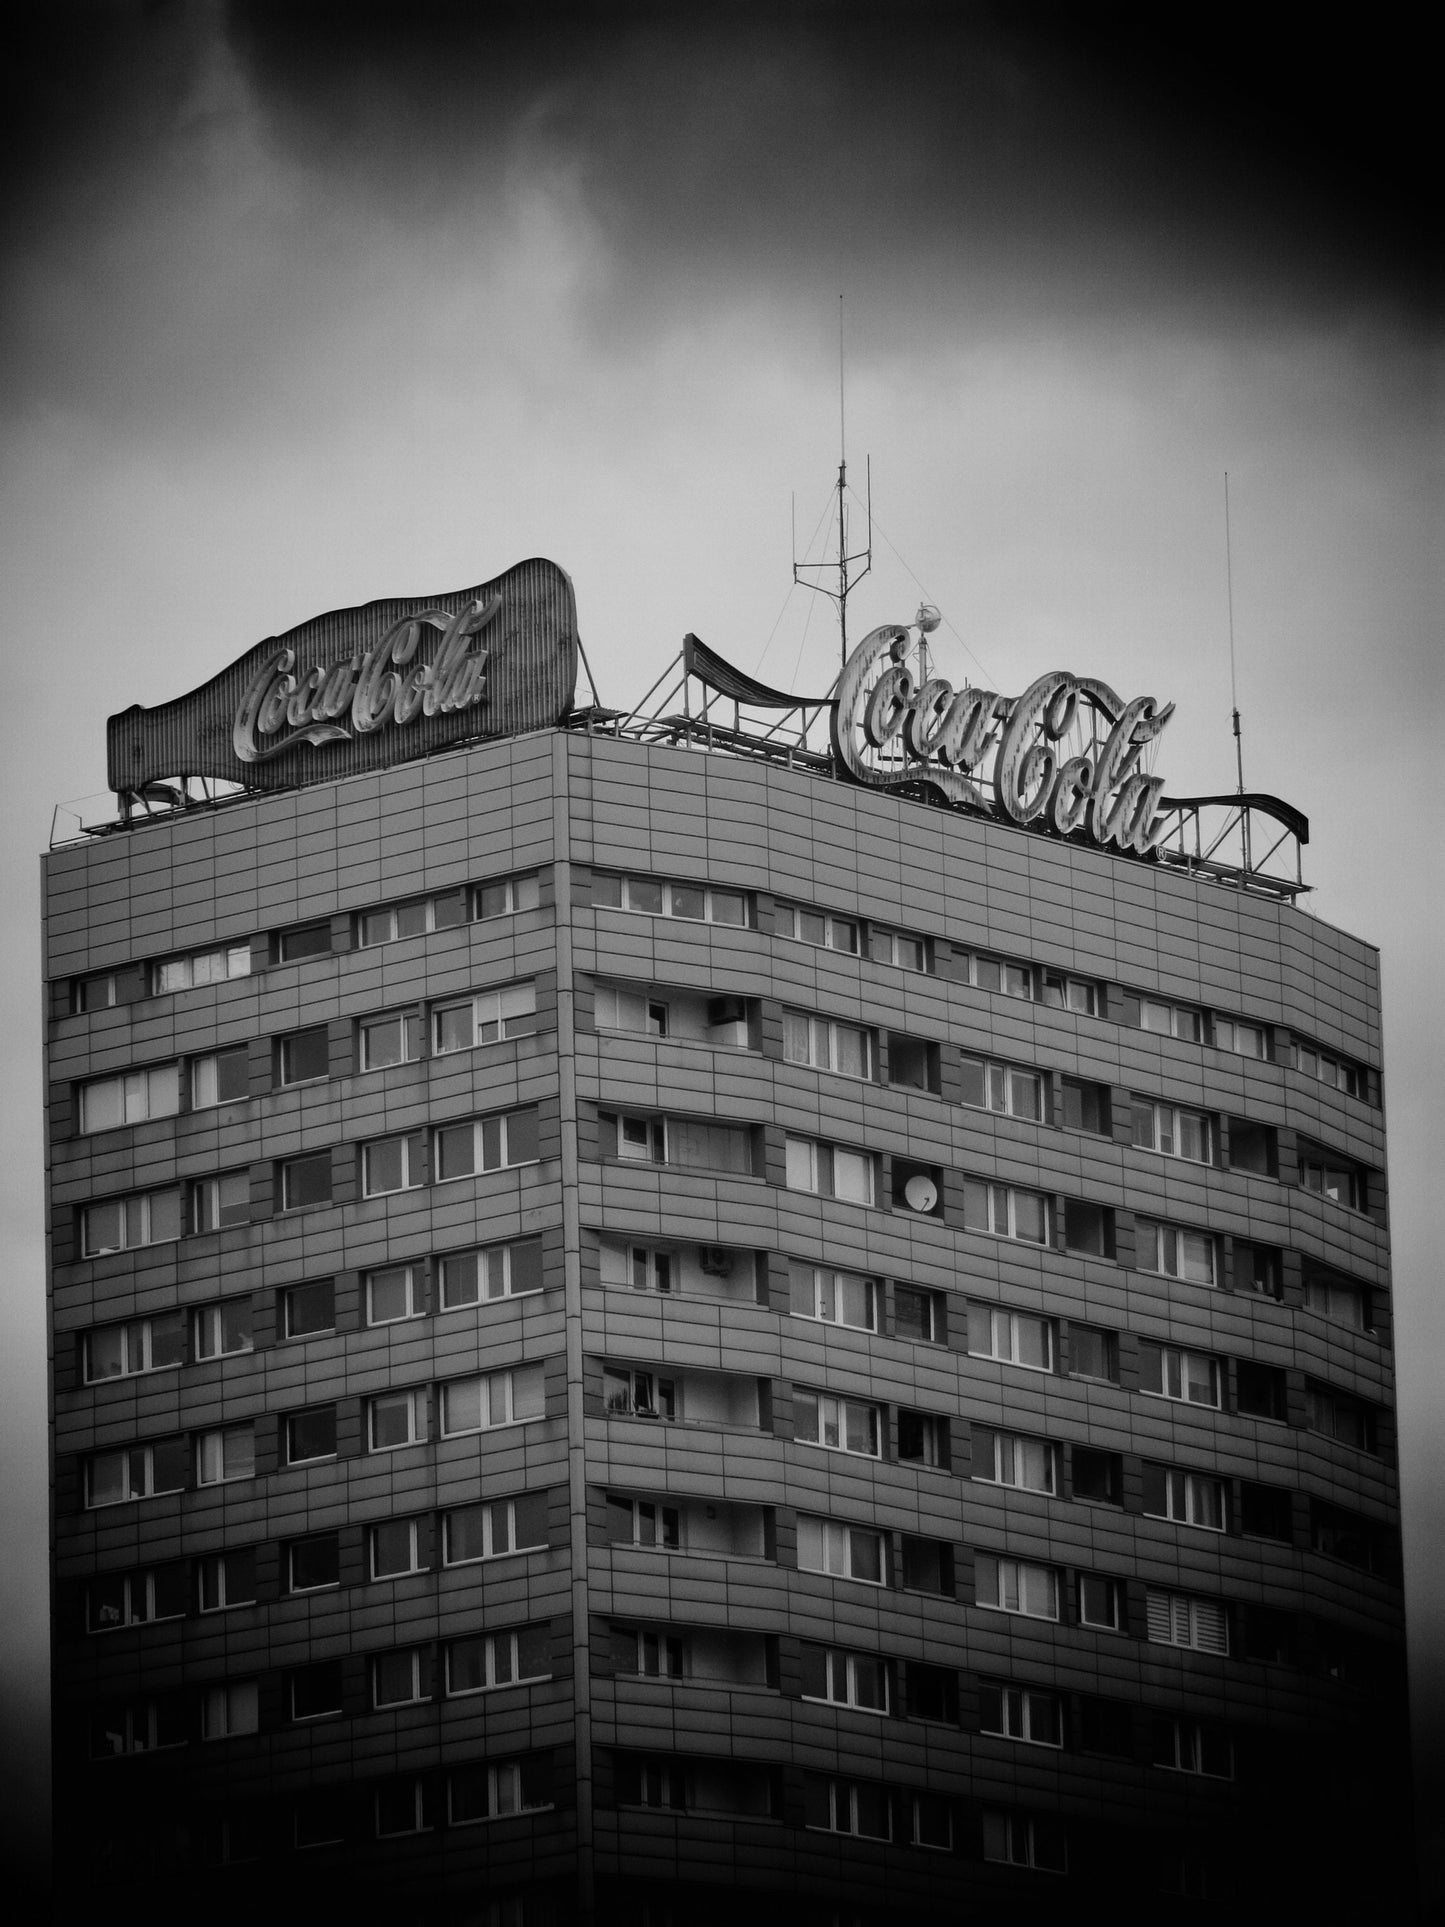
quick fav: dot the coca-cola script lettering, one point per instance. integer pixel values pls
(892, 732)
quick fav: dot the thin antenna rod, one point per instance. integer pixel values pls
(1233, 685)
(865, 556)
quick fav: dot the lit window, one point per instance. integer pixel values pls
(835, 1297)
(840, 1424)
(218, 1203)
(1012, 1337)
(485, 1018)
(489, 1660)
(494, 1271)
(227, 1711)
(1005, 1458)
(1175, 1133)
(395, 1549)
(123, 1224)
(897, 947)
(395, 1419)
(132, 1099)
(493, 1398)
(217, 1331)
(393, 1039)
(140, 1345)
(393, 1164)
(1174, 1253)
(203, 967)
(1021, 1713)
(827, 1046)
(496, 1528)
(1003, 1088)
(1188, 1498)
(848, 1806)
(135, 1472)
(226, 1579)
(1176, 1619)
(305, 1055)
(816, 927)
(221, 1077)
(840, 1551)
(1018, 1840)
(1166, 1372)
(1070, 993)
(1006, 1211)
(1017, 1586)
(829, 1171)
(225, 1454)
(393, 1294)
(486, 1144)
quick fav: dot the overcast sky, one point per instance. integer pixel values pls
(306, 305)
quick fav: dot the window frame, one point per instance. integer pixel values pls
(842, 1409)
(834, 1532)
(415, 1290)
(521, 1022)
(414, 1398)
(127, 1327)
(143, 1204)
(794, 913)
(822, 1159)
(411, 1032)
(1017, 1571)
(413, 1164)
(828, 1031)
(825, 1280)
(145, 1082)
(1158, 1115)
(479, 1126)
(1014, 1321)
(997, 1079)
(1159, 1267)
(205, 1445)
(505, 1375)
(195, 1077)
(237, 964)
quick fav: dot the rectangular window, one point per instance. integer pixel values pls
(395, 1419)
(1341, 1303)
(1166, 1249)
(1176, 1619)
(1086, 1106)
(305, 1055)
(1101, 1602)
(1188, 1498)
(1097, 1476)
(308, 1309)
(394, 1549)
(1093, 1354)
(627, 1392)
(389, 1040)
(393, 1164)
(1170, 1020)
(1339, 1183)
(1348, 1536)
(224, 1330)
(658, 1655)
(1071, 993)
(932, 1693)
(221, 1077)
(225, 1454)
(494, 1271)
(485, 1018)
(1174, 1132)
(306, 1181)
(1006, 1211)
(140, 1345)
(642, 1522)
(616, 1008)
(834, 1297)
(829, 1171)
(124, 1224)
(927, 1566)
(1021, 1713)
(392, 1294)
(1245, 1040)
(310, 1435)
(848, 1806)
(1016, 1840)
(1006, 1458)
(920, 1315)
(1334, 1071)
(92, 993)
(827, 1046)
(315, 1691)
(1257, 1268)
(1017, 1586)
(415, 919)
(1261, 1391)
(840, 1551)
(1187, 1746)
(932, 1821)
(1167, 1372)
(135, 1472)
(140, 1727)
(999, 975)
(652, 897)
(311, 940)
(1335, 1415)
(218, 1203)
(507, 896)
(493, 1398)
(840, 1424)
(923, 1439)
(203, 967)
(227, 1711)
(798, 925)
(133, 1098)
(897, 947)
(858, 1680)
(397, 1679)
(1266, 1512)
(485, 1144)
(402, 1807)
(1012, 1337)
(496, 1528)
(488, 1660)
(643, 1268)
(492, 1792)
(136, 1598)
(1003, 1088)
(225, 1579)
(314, 1564)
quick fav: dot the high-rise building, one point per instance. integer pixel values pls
(648, 1322)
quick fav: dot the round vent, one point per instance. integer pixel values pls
(921, 1193)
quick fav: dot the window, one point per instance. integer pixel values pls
(135, 1598)
(1021, 1713)
(615, 1008)
(834, 1297)
(1017, 1586)
(315, 1691)
(394, 1549)
(841, 1551)
(845, 1679)
(495, 1271)
(920, 1315)
(1261, 1391)
(1020, 1841)
(394, 1419)
(222, 1077)
(393, 1294)
(203, 967)
(312, 1565)
(650, 896)
(1071, 993)
(140, 1727)
(415, 919)
(923, 1440)
(1188, 1498)
(306, 1181)
(897, 947)
(485, 1018)
(1334, 1071)
(217, 1203)
(123, 1224)
(486, 1144)
(932, 1815)
(1005, 1458)
(310, 1435)
(392, 1164)
(792, 921)
(135, 1472)
(1003, 1088)
(92, 993)
(848, 1806)
(656, 1655)
(1173, 1132)
(1084, 1106)
(927, 1566)
(1170, 1020)
(1339, 1183)
(398, 1679)
(1012, 1337)
(506, 896)
(913, 1064)
(393, 1039)
(1189, 1746)
(305, 1055)
(1093, 1354)
(826, 1045)
(1257, 1268)
(828, 1171)
(140, 1345)
(132, 1099)
(1245, 1040)
(840, 1424)
(491, 1792)
(640, 1266)
(227, 1711)
(1101, 1602)
(1253, 1148)
(1166, 1372)
(1266, 1512)
(488, 1660)
(1004, 978)
(492, 1399)
(1349, 1421)
(1097, 1476)
(1176, 1619)
(225, 1579)
(1176, 1254)
(1346, 1535)
(637, 1394)
(642, 1140)
(496, 1528)
(225, 1454)
(1341, 1303)
(312, 940)
(221, 1331)
(1006, 1211)
(642, 1522)
(402, 1807)
(306, 1309)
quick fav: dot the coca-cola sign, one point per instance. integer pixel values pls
(1066, 753)
(361, 688)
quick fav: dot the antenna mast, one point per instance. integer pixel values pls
(846, 584)
(1233, 684)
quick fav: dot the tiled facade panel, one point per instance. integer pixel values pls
(641, 1789)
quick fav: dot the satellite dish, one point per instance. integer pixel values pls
(927, 619)
(920, 1192)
